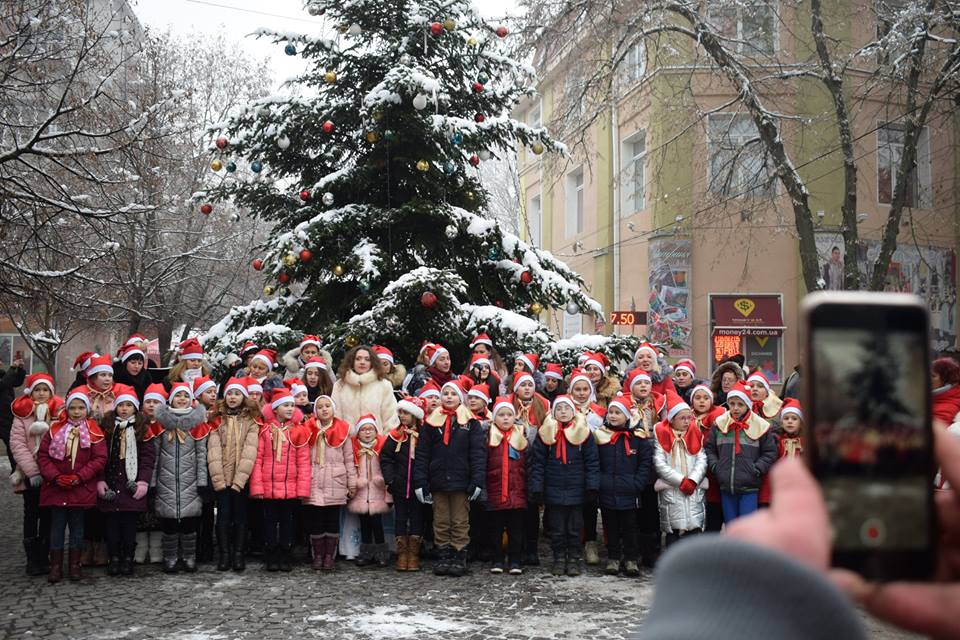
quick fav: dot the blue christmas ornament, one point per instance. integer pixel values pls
(494, 253)
(457, 139)
(256, 166)
(290, 49)
(364, 287)
(449, 167)
(231, 166)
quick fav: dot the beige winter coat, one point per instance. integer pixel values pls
(356, 395)
(231, 451)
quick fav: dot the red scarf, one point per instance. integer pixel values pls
(561, 442)
(505, 464)
(758, 407)
(447, 422)
(441, 377)
(736, 427)
(621, 434)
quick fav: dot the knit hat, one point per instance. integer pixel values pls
(792, 405)
(596, 359)
(190, 349)
(675, 404)
(179, 387)
(267, 357)
(125, 393)
(430, 388)
(434, 351)
(253, 385)
(236, 384)
(128, 351)
(78, 393)
(309, 339)
(156, 392)
(519, 378)
(82, 363)
(295, 385)
(480, 360)
(503, 402)
(686, 365)
(201, 384)
(702, 387)
(757, 376)
(529, 360)
(742, 391)
(37, 378)
(383, 353)
(365, 419)
(646, 346)
(579, 374)
(553, 370)
(281, 395)
(480, 391)
(624, 402)
(316, 362)
(563, 399)
(99, 364)
(481, 338)
(417, 407)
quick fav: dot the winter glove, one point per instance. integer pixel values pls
(688, 486)
(590, 496)
(141, 490)
(475, 494)
(36, 481)
(132, 485)
(67, 480)
(102, 488)
(423, 496)
(110, 495)
(536, 497)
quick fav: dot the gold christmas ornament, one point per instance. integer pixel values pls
(472, 41)
(536, 307)
(372, 136)
(422, 165)
(449, 24)
(330, 77)
(468, 195)
(378, 116)
(289, 260)
(268, 290)
(338, 270)
(351, 341)
(537, 148)
(216, 165)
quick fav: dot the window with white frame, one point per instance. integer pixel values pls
(738, 165)
(632, 160)
(534, 223)
(634, 65)
(748, 26)
(534, 116)
(890, 140)
(13, 347)
(573, 94)
(574, 202)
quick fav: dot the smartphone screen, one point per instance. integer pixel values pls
(869, 399)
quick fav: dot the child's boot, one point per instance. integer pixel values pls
(631, 568)
(142, 547)
(126, 560)
(169, 543)
(458, 563)
(559, 566)
(381, 555)
(318, 544)
(591, 553)
(285, 552)
(612, 568)
(188, 545)
(75, 572)
(442, 565)
(402, 563)
(330, 552)
(365, 559)
(155, 546)
(574, 567)
(56, 566)
(413, 553)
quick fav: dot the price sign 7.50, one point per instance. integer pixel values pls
(628, 317)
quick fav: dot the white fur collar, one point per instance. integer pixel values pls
(355, 379)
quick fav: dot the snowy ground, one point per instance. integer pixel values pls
(352, 603)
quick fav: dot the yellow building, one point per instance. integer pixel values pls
(665, 214)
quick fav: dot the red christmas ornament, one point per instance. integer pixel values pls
(477, 87)
(304, 195)
(328, 126)
(206, 208)
(475, 160)
(526, 277)
(222, 143)
(257, 264)
(502, 31)
(436, 28)
(305, 255)
(428, 299)
(283, 278)
(499, 303)
(479, 117)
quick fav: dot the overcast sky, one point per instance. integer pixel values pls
(238, 18)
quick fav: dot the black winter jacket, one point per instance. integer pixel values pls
(12, 379)
(460, 465)
(393, 466)
(740, 472)
(623, 476)
(563, 484)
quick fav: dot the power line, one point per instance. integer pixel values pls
(261, 13)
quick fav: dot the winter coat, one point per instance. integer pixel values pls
(676, 459)
(372, 495)
(626, 467)
(397, 376)
(12, 379)
(181, 466)
(559, 482)
(511, 494)
(139, 382)
(397, 460)
(686, 392)
(25, 437)
(282, 467)
(416, 378)
(232, 450)
(333, 471)
(458, 465)
(606, 390)
(88, 465)
(358, 394)
(741, 471)
(660, 380)
(101, 402)
(705, 423)
(527, 417)
(946, 403)
(940, 482)
(115, 472)
(719, 395)
(293, 367)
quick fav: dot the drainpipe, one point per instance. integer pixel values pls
(615, 144)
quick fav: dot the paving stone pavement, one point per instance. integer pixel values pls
(350, 603)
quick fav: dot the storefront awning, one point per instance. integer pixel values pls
(751, 315)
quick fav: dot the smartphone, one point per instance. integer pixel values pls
(866, 381)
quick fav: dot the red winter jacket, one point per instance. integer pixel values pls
(89, 466)
(516, 475)
(282, 474)
(946, 405)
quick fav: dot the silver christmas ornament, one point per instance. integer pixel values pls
(573, 308)
(451, 231)
(283, 142)
(420, 102)
(328, 198)
(406, 59)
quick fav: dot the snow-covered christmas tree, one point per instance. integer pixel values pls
(369, 172)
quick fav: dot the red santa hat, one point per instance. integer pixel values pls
(417, 407)
(480, 360)
(99, 364)
(383, 353)
(78, 393)
(281, 395)
(646, 346)
(155, 392)
(190, 349)
(702, 387)
(253, 385)
(316, 362)
(636, 376)
(295, 385)
(136, 338)
(579, 374)
(267, 357)
(38, 378)
(624, 402)
(686, 365)
(520, 378)
(179, 387)
(742, 391)
(529, 360)
(480, 391)
(596, 359)
(434, 351)
(430, 388)
(82, 363)
(236, 384)
(365, 419)
(675, 404)
(503, 402)
(461, 384)
(201, 384)
(247, 347)
(792, 405)
(128, 350)
(563, 399)
(481, 338)
(757, 376)
(125, 393)
(553, 370)
(309, 339)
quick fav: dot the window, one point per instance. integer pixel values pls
(573, 95)
(534, 215)
(12, 346)
(738, 165)
(534, 118)
(632, 158)
(574, 205)
(572, 324)
(750, 26)
(889, 153)
(634, 65)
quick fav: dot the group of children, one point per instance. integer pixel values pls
(463, 467)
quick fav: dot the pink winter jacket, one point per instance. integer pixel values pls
(282, 468)
(372, 496)
(334, 473)
(25, 436)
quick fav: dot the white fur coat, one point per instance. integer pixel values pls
(358, 394)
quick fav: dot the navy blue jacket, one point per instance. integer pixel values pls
(563, 484)
(624, 476)
(460, 465)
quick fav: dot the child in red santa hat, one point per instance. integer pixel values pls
(705, 412)
(506, 487)
(397, 459)
(148, 547)
(372, 499)
(681, 465)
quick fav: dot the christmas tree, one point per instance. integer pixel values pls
(368, 172)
